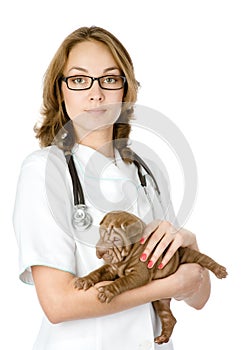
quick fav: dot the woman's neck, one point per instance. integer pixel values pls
(100, 140)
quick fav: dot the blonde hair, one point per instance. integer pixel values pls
(54, 115)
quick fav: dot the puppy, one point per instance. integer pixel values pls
(119, 246)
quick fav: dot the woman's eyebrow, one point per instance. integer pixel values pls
(110, 68)
(86, 71)
(78, 68)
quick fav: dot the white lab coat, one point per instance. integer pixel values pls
(45, 236)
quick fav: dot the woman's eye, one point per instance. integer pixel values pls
(110, 80)
(78, 80)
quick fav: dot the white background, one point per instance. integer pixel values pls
(188, 57)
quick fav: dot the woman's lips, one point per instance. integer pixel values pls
(96, 111)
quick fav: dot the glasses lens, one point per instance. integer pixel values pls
(111, 82)
(79, 82)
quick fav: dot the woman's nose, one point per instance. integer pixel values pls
(95, 92)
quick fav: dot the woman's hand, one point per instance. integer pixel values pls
(193, 285)
(161, 235)
(192, 281)
(189, 281)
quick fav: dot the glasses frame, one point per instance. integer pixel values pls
(65, 79)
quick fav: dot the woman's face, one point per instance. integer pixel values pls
(95, 107)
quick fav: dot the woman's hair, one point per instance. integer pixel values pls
(53, 111)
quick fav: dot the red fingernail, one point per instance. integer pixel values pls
(150, 264)
(142, 240)
(143, 257)
(160, 266)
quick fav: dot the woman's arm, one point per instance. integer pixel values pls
(62, 302)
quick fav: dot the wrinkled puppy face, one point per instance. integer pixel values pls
(118, 231)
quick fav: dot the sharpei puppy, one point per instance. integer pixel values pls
(119, 246)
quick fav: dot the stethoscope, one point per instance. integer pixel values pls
(82, 219)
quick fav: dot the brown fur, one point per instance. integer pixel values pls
(119, 246)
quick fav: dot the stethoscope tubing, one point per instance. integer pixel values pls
(82, 220)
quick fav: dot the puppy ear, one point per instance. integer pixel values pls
(150, 228)
(134, 231)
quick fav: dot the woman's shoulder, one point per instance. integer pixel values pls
(36, 156)
(42, 170)
(42, 156)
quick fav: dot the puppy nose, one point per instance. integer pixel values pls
(100, 252)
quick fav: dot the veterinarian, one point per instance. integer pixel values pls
(84, 169)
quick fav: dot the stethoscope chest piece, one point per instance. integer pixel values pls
(82, 220)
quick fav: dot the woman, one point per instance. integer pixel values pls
(85, 86)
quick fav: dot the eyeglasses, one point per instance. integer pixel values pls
(84, 82)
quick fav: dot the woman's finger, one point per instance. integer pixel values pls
(149, 229)
(175, 244)
(155, 238)
(161, 247)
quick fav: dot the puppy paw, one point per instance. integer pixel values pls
(83, 283)
(162, 338)
(105, 295)
(220, 272)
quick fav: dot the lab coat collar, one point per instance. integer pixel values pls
(85, 153)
